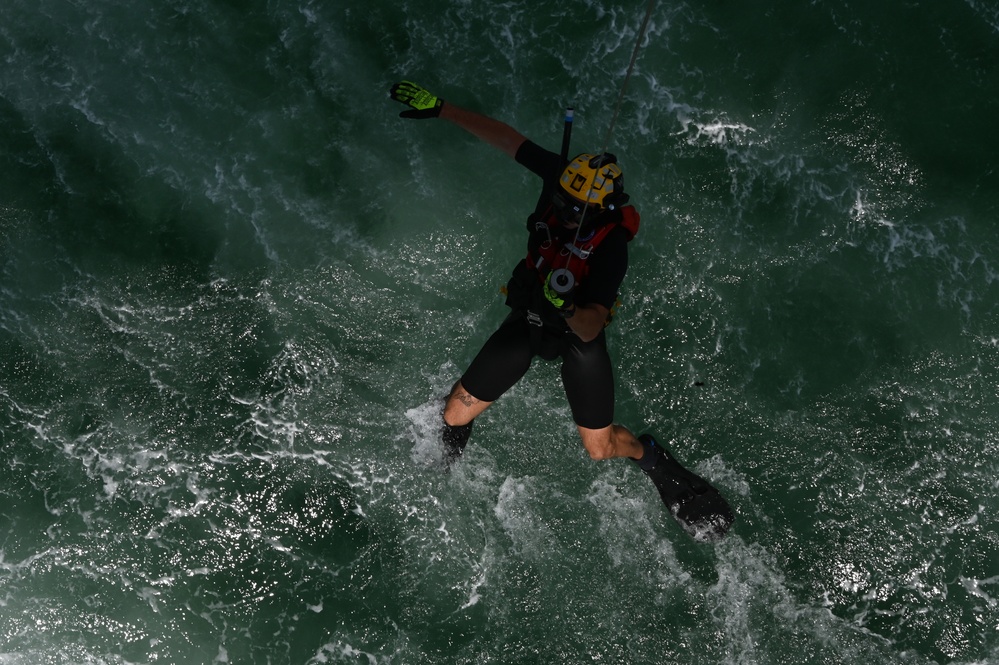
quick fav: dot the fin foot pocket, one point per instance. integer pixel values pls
(694, 502)
(454, 438)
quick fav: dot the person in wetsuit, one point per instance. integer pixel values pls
(561, 296)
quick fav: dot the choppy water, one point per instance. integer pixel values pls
(235, 285)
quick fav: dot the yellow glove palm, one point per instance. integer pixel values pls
(423, 103)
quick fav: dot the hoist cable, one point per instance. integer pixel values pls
(610, 127)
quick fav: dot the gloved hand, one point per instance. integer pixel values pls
(424, 104)
(562, 301)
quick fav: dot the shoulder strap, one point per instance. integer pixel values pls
(630, 220)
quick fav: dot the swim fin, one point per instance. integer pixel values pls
(454, 438)
(699, 508)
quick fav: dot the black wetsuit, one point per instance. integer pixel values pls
(587, 375)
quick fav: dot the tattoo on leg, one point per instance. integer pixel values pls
(466, 399)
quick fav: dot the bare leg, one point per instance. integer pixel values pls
(460, 411)
(610, 442)
(461, 407)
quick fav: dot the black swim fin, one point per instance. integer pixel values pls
(695, 503)
(454, 438)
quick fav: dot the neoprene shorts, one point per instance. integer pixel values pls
(587, 376)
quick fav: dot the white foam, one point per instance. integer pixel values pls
(425, 434)
(517, 509)
(631, 527)
(988, 11)
(342, 651)
(975, 586)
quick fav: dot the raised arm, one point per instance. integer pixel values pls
(497, 134)
(423, 105)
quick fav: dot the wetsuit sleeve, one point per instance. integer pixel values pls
(546, 165)
(543, 163)
(608, 266)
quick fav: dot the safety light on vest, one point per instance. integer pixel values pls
(561, 281)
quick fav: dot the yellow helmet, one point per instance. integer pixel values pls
(595, 180)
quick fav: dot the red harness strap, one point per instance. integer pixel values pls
(553, 257)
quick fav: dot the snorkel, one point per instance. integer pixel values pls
(566, 135)
(561, 281)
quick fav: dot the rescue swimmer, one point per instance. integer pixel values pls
(561, 297)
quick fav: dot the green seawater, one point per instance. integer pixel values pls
(234, 287)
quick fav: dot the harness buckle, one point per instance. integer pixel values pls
(534, 319)
(581, 252)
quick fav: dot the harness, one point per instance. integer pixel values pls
(524, 293)
(572, 256)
